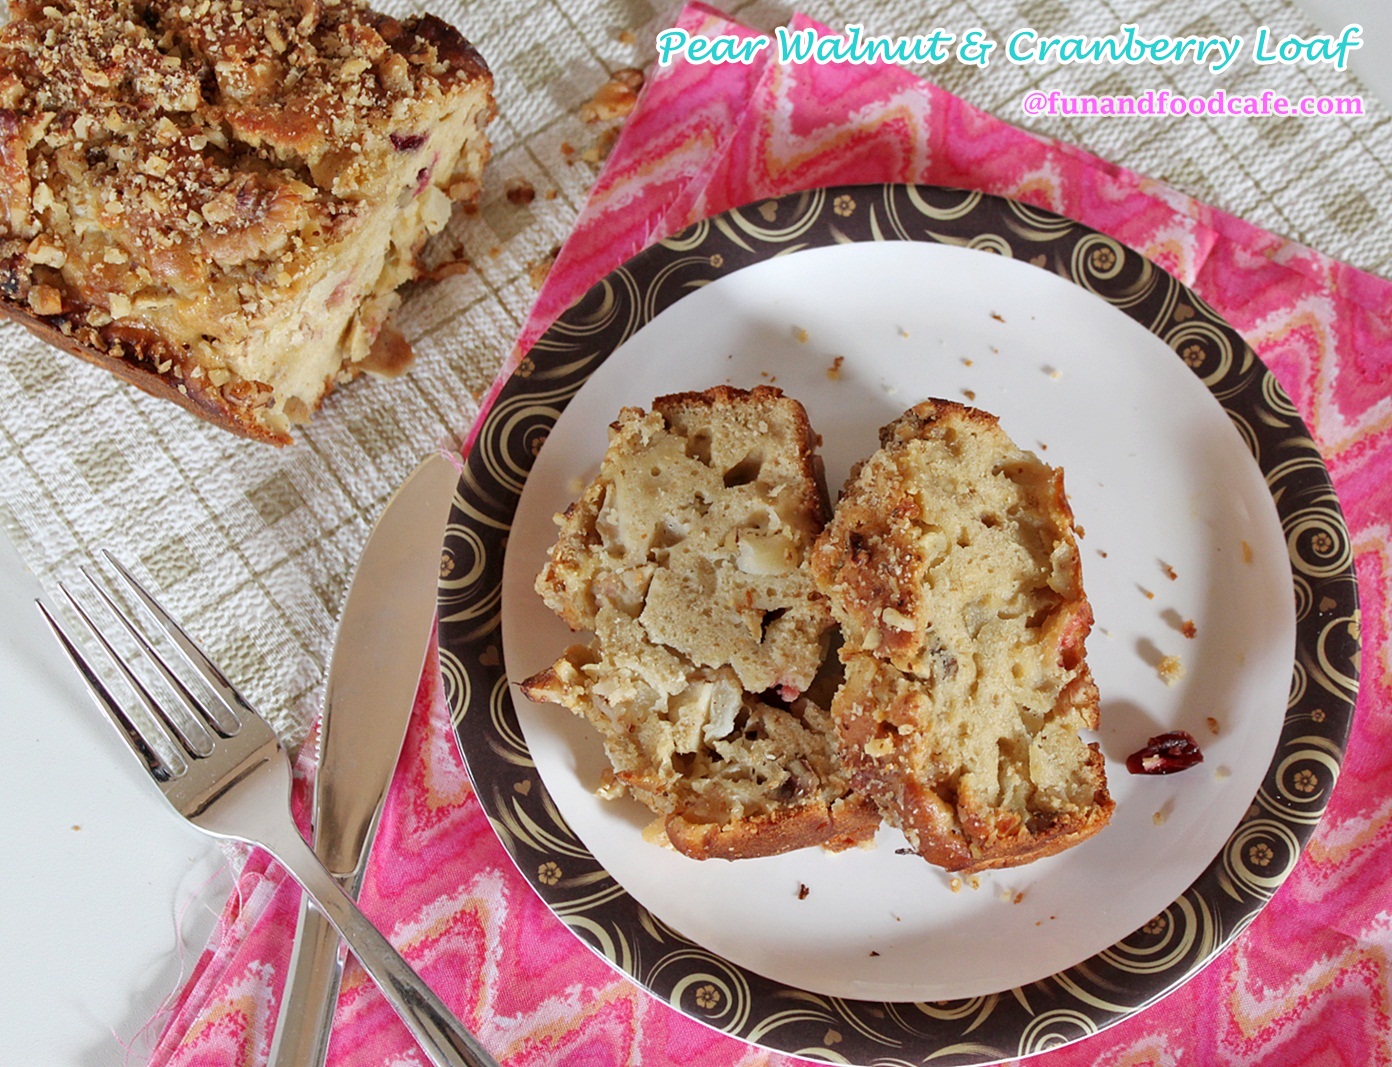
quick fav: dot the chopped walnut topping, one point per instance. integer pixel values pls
(45, 300)
(45, 251)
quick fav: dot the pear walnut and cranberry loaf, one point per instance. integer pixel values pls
(952, 567)
(218, 199)
(686, 559)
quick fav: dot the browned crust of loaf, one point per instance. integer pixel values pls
(917, 421)
(722, 396)
(133, 354)
(845, 824)
(454, 47)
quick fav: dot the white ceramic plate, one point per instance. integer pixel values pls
(1158, 478)
(1107, 368)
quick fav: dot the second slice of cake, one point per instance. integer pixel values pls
(952, 567)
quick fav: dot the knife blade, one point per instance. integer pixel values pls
(374, 671)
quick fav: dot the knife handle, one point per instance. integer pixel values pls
(442, 1037)
(305, 1019)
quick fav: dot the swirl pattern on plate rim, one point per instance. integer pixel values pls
(1117, 982)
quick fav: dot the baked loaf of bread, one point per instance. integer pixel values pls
(952, 567)
(686, 559)
(218, 199)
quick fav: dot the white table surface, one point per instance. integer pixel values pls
(107, 898)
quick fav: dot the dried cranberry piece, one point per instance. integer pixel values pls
(1166, 754)
(407, 142)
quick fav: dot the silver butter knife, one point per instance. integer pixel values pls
(376, 666)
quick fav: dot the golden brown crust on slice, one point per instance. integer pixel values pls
(686, 558)
(952, 566)
(835, 826)
(218, 201)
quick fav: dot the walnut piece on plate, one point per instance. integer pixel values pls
(218, 199)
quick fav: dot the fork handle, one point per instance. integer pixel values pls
(304, 1022)
(442, 1037)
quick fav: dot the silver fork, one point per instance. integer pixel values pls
(225, 771)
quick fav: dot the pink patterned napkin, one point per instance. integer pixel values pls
(1308, 982)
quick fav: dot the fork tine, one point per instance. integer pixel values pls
(200, 744)
(168, 729)
(188, 648)
(159, 768)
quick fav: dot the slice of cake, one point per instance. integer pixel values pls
(218, 199)
(686, 559)
(952, 567)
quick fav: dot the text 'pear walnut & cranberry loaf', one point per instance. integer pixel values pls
(686, 558)
(218, 199)
(952, 567)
